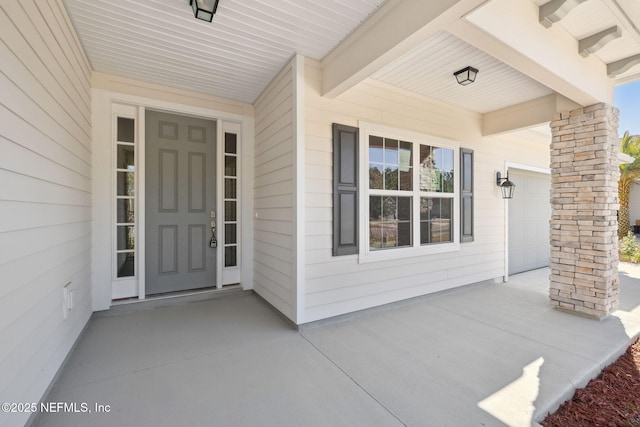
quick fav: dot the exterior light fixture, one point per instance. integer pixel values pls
(204, 9)
(507, 187)
(466, 76)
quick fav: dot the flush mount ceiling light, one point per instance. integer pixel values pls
(466, 75)
(204, 9)
(507, 187)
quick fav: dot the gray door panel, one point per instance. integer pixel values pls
(180, 195)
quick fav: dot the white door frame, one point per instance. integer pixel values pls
(105, 104)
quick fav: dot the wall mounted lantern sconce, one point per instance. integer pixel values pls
(466, 76)
(506, 187)
(204, 9)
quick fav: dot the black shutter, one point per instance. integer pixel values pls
(466, 195)
(345, 190)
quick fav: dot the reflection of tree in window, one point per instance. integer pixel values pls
(435, 220)
(390, 164)
(375, 178)
(447, 182)
(131, 183)
(436, 169)
(391, 179)
(389, 221)
(429, 178)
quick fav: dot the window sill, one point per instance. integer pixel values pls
(400, 253)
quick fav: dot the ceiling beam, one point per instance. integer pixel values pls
(525, 115)
(508, 30)
(555, 10)
(396, 28)
(597, 41)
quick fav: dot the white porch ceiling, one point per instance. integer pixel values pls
(428, 70)
(235, 56)
(249, 41)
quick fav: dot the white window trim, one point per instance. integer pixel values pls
(366, 255)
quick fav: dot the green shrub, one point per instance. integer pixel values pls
(629, 249)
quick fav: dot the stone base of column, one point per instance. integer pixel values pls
(584, 201)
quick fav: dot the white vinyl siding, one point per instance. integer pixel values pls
(45, 196)
(337, 285)
(274, 195)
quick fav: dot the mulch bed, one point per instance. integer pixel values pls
(611, 400)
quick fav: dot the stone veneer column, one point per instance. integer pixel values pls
(584, 202)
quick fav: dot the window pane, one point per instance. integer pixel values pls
(230, 258)
(391, 178)
(391, 152)
(436, 169)
(404, 208)
(447, 182)
(230, 188)
(230, 234)
(126, 129)
(406, 166)
(375, 208)
(446, 169)
(375, 149)
(429, 178)
(375, 176)
(425, 232)
(376, 162)
(404, 233)
(230, 165)
(126, 237)
(230, 143)
(230, 211)
(446, 156)
(389, 221)
(390, 164)
(389, 208)
(126, 184)
(126, 265)
(375, 221)
(125, 211)
(436, 220)
(426, 205)
(125, 158)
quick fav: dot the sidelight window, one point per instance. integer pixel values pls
(126, 173)
(230, 199)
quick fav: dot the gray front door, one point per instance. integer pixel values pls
(180, 198)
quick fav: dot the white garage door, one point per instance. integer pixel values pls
(529, 214)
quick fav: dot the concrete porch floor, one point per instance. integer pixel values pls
(487, 355)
